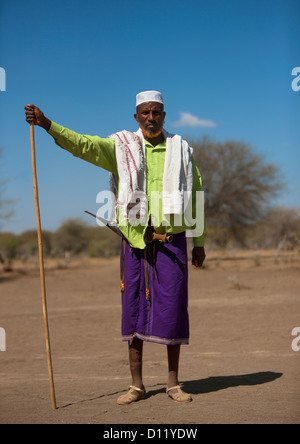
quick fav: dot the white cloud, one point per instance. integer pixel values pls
(188, 120)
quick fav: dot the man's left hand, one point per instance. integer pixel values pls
(198, 256)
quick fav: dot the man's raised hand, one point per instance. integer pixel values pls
(34, 116)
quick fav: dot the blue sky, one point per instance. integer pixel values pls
(224, 66)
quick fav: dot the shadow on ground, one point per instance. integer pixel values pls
(216, 383)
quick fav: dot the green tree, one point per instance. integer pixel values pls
(239, 185)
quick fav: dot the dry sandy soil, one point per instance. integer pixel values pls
(239, 366)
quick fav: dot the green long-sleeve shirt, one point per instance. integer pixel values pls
(101, 152)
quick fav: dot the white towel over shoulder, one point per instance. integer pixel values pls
(131, 162)
(178, 174)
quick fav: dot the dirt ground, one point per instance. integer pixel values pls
(240, 366)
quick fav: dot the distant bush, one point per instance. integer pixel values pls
(71, 237)
(279, 229)
(10, 247)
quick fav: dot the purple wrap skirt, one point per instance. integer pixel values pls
(155, 292)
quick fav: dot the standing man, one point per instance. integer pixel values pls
(151, 170)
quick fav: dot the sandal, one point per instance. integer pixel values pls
(134, 394)
(179, 395)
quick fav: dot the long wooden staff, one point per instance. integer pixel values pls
(42, 272)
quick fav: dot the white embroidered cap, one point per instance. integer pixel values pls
(149, 96)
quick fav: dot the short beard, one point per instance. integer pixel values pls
(151, 136)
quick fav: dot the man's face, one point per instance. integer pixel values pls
(150, 116)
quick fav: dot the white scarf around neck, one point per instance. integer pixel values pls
(131, 162)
